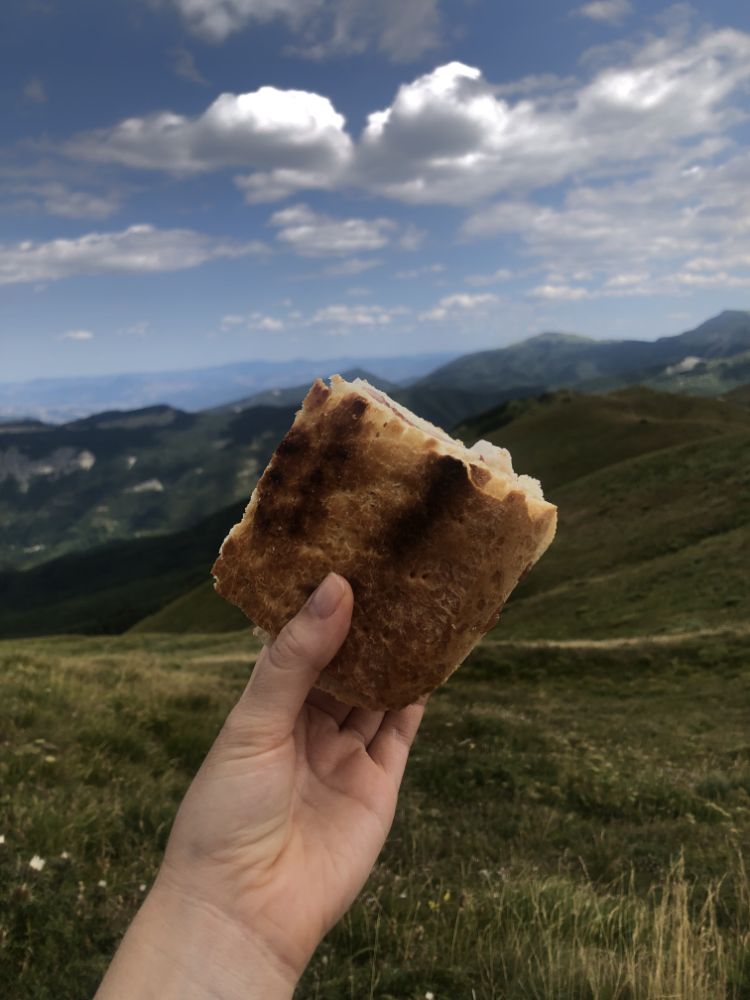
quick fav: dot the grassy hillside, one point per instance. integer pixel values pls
(638, 475)
(200, 610)
(740, 395)
(563, 436)
(653, 492)
(111, 588)
(554, 360)
(125, 475)
(572, 823)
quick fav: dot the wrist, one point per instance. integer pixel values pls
(180, 949)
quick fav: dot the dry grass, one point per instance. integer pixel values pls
(573, 824)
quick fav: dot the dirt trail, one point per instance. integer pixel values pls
(670, 639)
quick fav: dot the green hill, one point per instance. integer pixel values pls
(648, 486)
(562, 436)
(200, 610)
(554, 360)
(111, 588)
(740, 395)
(120, 476)
(645, 482)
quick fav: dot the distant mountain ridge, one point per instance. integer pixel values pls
(556, 359)
(60, 400)
(654, 531)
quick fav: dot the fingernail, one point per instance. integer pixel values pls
(327, 597)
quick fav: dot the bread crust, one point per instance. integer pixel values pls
(431, 552)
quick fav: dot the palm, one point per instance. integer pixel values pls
(295, 830)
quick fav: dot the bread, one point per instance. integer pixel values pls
(431, 536)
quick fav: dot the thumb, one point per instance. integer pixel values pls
(286, 670)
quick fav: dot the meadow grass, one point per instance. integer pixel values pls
(574, 822)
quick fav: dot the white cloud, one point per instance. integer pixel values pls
(351, 266)
(637, 236)
(313, 234)
(420, 272)
(341, 318)
(412, 238)
(460, 304)
(609, 11)
(267, 323)
(478, 280)
(252, 321)
(78, 335)
(453, 137)
(184, 65)
(448, 137)
(559, 293)
(35, 91)
(139, 329)
(140, 249)
(56, 198)
(272, 130)
(324, 27)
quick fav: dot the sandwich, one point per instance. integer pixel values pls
(432, 536)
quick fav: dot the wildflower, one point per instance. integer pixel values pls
(37, 863)
(2, 838)
(102, 884)
(49, 759)
(65, 856)
(142, 887)
(429, 996)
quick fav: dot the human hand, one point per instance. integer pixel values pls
(282, 824)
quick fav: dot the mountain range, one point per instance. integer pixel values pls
(158, 470)
(654, 531)
(60, 400)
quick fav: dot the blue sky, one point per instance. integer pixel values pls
(192, 182)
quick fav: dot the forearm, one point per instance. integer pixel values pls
(176, 949)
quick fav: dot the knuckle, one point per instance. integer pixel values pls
(290, 646)
(402, 734)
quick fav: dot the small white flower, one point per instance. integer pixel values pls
(65, 855)
(2, 838)
(429, 996)
(37, 863)
(102, 884)
(142, 887)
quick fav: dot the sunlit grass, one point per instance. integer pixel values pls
(572, 824)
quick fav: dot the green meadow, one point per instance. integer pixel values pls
(574, 820)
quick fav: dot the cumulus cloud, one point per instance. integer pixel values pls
(341, 318)
(324, 27)
(56, 198)
(501, 274)
(313, 234)
(609, 11)
(268, 129)
(460, 304)
(448, 137)
(352, 266)
(138, 249)
(253, 321)
(184, 65)
(451, 136)
(559, 293)
(420, 272)
(78, 335)
(640, 236)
